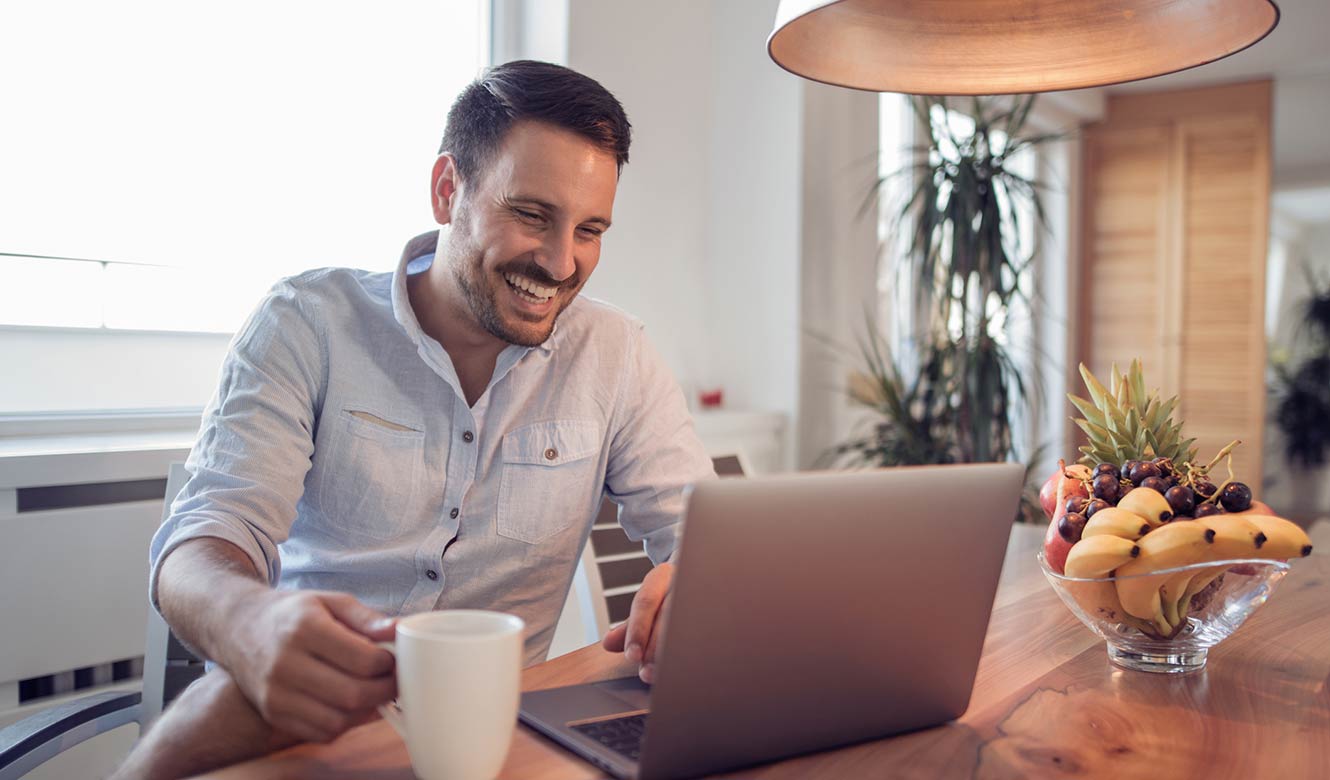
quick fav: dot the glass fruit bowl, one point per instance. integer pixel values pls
(1213, 613)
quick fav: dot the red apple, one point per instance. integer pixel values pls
(1055, 547)
(1048, 494)
(1068, 483)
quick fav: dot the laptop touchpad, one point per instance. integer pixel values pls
(630, 690)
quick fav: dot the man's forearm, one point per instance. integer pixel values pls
(202, 585)
(210, 724)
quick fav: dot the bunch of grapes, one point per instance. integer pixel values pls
(1190, 492)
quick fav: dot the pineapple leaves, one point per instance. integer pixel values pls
(1088, 409)
(1137, 379)
(1097, 435)
(1133, 421)
(1125, 422)
(1097, 392)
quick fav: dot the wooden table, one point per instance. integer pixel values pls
(1046, 703)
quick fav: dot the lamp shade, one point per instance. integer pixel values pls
(992, 47)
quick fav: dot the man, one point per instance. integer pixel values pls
(438, 437)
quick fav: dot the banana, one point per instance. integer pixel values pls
(1116, 522)
(1099, 600)
(1173, 596)
(1236, 537)
(1197, 584)
(1283, 538)
(1097, 556)
(1176, 544)
(1149, 504)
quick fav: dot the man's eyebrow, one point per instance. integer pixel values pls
(551, 207)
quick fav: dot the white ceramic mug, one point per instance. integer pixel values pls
(458, 684)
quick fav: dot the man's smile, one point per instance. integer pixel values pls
(529, 290)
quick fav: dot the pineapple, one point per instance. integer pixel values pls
(1125, 423)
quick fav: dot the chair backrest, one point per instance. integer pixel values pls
(168, 666)
(613, 566)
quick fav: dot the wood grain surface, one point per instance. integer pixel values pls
(1173, 255)
(1046, 703)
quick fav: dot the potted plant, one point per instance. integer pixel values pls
(961, 394)
(1301, 390)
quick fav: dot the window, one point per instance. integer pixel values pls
(1021, 328)
(164, 163)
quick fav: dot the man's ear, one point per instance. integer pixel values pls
(444, 184)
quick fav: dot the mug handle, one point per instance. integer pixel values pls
(392, 711)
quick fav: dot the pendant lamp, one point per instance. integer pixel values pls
(993, 47)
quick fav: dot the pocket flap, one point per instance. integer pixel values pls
(360, 420)
(552, 443)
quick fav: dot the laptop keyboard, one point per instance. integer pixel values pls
(622, 735)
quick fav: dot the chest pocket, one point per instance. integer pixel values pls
(548, 480)
(371, 474)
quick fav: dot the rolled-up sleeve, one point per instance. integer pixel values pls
(247, 469)
(655, 453)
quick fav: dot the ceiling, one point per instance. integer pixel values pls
(1297, 47)
(1297, 56)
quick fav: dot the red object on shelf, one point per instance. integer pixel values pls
(711, 399)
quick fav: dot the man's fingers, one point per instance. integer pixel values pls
(341, 691)
(349, 651)
(648, 670)
(642, 614)
(614, 638)
(307, 718)
(371, 623)
(657, 628)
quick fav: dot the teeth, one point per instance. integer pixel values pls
(536, 290)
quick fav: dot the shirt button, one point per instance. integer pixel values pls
(453, 514)
(551, 454)
(468, 437)
(434, 575)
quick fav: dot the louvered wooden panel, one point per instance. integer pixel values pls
(1225, 196)
(1176, 228)
(1127, 189)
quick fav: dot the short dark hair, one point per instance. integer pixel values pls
(538, 91)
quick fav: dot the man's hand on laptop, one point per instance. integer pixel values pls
(309, 663)
(638, 636)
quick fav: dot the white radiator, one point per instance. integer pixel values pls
(76, 516)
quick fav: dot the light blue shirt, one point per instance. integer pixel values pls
(340, 454)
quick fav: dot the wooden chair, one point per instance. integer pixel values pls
(613, 566)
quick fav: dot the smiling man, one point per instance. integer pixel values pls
(437, 437)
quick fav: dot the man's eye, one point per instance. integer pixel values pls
(591, 232)
(528, 215)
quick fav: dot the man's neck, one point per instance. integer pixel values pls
(444, 315)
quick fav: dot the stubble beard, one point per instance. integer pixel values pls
(481, 297)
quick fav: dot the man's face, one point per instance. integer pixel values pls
(526, 230)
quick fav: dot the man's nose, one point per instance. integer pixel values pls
(556, 255)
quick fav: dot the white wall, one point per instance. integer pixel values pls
(705, 244)
(752, 274)
(1301, 114)
(839, 253)
(653, 58)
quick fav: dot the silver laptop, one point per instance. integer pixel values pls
(809, 611)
